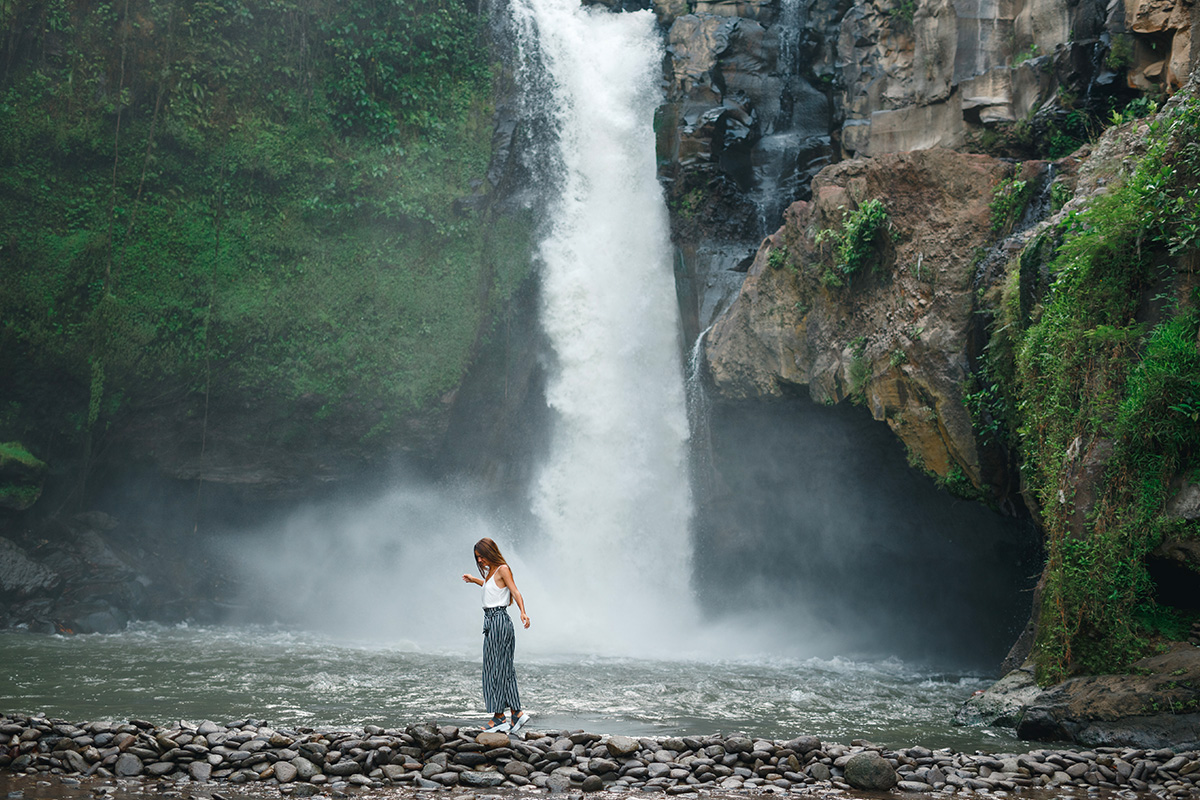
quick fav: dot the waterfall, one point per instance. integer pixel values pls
(776, 153)
(612, 497)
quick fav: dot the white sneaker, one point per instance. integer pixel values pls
(497, 725)
(519, 721)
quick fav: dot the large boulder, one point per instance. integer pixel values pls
(1156, 706)
(896, 338)
(20, 575)
(871, 772)
(1003, 703)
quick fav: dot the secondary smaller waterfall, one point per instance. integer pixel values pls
(795, 141)
(613, 496)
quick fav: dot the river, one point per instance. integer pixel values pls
(291, 678)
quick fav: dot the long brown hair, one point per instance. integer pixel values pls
(486, 549)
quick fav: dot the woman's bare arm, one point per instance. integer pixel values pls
(506, 579)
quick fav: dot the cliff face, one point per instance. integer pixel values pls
(761, 96)
(1029, 330)
(895, 337)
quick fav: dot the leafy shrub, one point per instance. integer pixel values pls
(1010, 198)
(778, 259)
(857, 243)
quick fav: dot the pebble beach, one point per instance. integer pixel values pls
(428, 757)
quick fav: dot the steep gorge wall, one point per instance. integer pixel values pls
(890, 77)
(939, 331)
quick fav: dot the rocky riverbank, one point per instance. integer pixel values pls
(304, 762)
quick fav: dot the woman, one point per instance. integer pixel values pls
(499, 641)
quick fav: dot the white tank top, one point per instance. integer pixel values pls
(495, 596)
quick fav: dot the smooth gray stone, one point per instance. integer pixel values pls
(393, 772)
(75, 762)
(427, 735)
(914, 786)
(285, 772)
(485, 779)
(593, 783)
(128, 766)
(470, 759)
(803, 745)
(305, 769)
(601, 766)
(622, 746)
(558, 783)
(200, 771)
(871, 771)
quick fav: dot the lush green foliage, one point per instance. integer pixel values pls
(1101, 372)
(856, 244)
(249, 199)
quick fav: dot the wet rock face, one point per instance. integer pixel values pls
(1157, 707)
(742, 130)
(89, 574)
(875, 76)
(20, 576)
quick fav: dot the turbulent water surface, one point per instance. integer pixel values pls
(299, 679)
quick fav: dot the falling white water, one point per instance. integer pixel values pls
(613, 495)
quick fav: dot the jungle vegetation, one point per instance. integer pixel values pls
(242, 201)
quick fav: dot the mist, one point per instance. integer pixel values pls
(816, 522)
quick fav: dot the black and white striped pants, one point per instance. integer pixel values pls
(499, 677)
